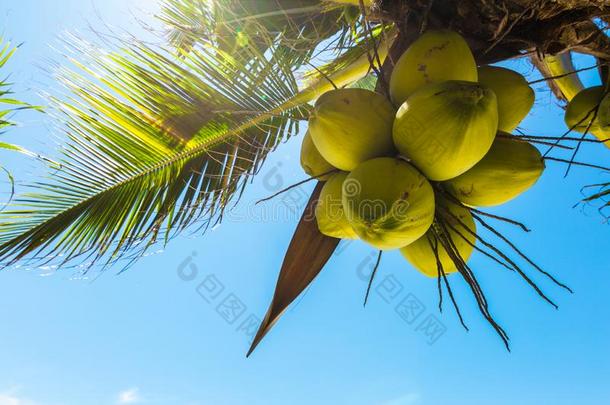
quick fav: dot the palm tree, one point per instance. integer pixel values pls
(163, 137)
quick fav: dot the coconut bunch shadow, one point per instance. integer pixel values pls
(441, 235)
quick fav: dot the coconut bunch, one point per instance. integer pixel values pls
(404, 172)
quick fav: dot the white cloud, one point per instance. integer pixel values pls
(408, 399)
(130, 396)
(11, 399)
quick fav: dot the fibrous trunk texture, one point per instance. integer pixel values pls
(501, 29)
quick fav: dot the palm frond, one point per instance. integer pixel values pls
(154, 144)
(187, 22)
(6, 53)
(357, 65)
(296, 26)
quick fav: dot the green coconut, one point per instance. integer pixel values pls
(351, 126)
(515, 96)
(455, 223)
(312, 162)
(388, 203)
(510, 168)
(329, 211)
(580, 114)
(446, 128)
(436, 56)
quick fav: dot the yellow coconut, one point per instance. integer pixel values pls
(388, 202)
(446, 128)
(351, 126)
(509, 169)
(312, 162)
(456, 227)
(515, 96)
(580, 114)
(436, 56)
(329, 211)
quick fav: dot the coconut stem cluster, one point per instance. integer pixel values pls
(442, 133)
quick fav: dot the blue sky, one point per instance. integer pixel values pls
(159, 333)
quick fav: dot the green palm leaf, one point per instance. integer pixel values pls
(153, 145)
(6, 53)
(297, 27)
(156, 143)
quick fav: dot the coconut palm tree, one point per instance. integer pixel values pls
(167, 135)
(162, 137)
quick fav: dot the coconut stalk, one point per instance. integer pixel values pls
(560, 73)
(300, 266)
(546, 31)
